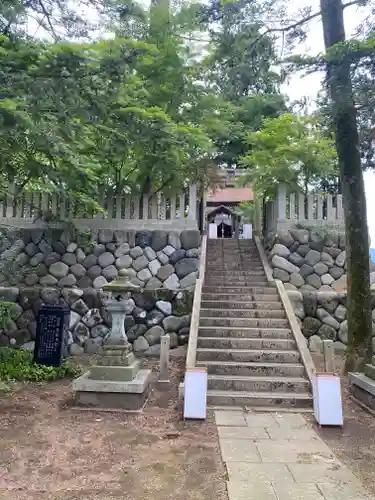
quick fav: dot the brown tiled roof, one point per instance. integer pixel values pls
(228, 195)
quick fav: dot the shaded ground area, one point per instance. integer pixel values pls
(355, 443)
(49, 451)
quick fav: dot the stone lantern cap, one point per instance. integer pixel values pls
(121, 284)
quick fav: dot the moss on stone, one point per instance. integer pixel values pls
(163, 294)
(183, 304)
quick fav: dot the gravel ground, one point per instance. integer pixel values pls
(49, 451)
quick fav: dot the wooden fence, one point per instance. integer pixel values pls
(119, 210)
(310, 210)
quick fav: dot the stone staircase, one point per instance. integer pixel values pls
(244, 337)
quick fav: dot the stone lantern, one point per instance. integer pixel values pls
(116, 380)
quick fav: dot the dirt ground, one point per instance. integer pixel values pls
(354, 444)
(49, 451)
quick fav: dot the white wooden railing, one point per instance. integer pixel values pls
(296, 208)
(119, 209)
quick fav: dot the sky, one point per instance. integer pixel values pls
(309, 86)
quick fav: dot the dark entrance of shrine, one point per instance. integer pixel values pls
(224, 230)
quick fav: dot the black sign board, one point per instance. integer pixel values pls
(51, 335)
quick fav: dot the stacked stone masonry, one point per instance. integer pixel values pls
(312, 265)
(310, 260)
(56, 266)
(154, 313)
(153, 259)
(322, 315)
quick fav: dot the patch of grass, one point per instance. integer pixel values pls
(18, 364)
(5, 313)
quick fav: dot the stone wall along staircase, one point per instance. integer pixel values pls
(362, 385)
(244, 337)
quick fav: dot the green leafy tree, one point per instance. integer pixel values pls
(75, 115)
(292, 150)
(238, 73)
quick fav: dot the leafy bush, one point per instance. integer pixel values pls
(5, 313)
(18, 364)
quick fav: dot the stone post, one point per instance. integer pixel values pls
(164, 358)
(192, 215)
(257, 216)
(329, 356)
(281, 202)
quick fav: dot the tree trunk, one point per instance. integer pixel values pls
(359, 349)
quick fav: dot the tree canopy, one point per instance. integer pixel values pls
(141, 110)
(292, 149)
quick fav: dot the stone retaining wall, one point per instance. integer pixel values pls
(52, 257)
(310, 260)
(322, 315)
(155, 312)
(65, 266)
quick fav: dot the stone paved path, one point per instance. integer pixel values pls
(279, 456)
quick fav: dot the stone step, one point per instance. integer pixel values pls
(231, 244)
(220, 255)
(370, 371)
(252, 369)
(245, 332)
(234, 280)
(211, 282)
(238, 252)
(255, 384)
(244, 322)
(242, 252)
(258, 399)
(232, 248)
(235, 248)
(231, 278)
(230, 262)
(239, 298)
(243, 290)
(231, 241)
(244, 272)
(241, 313)
(235, 266)
(240, 270)
(240, 273)
(248, 356)
(225, 304)
(237, 256)
(246, 343)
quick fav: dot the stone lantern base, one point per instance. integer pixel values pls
(115, 383)
(112, 394)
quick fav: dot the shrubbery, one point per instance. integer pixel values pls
(18, 364)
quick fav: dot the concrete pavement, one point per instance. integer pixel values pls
(279, 456)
